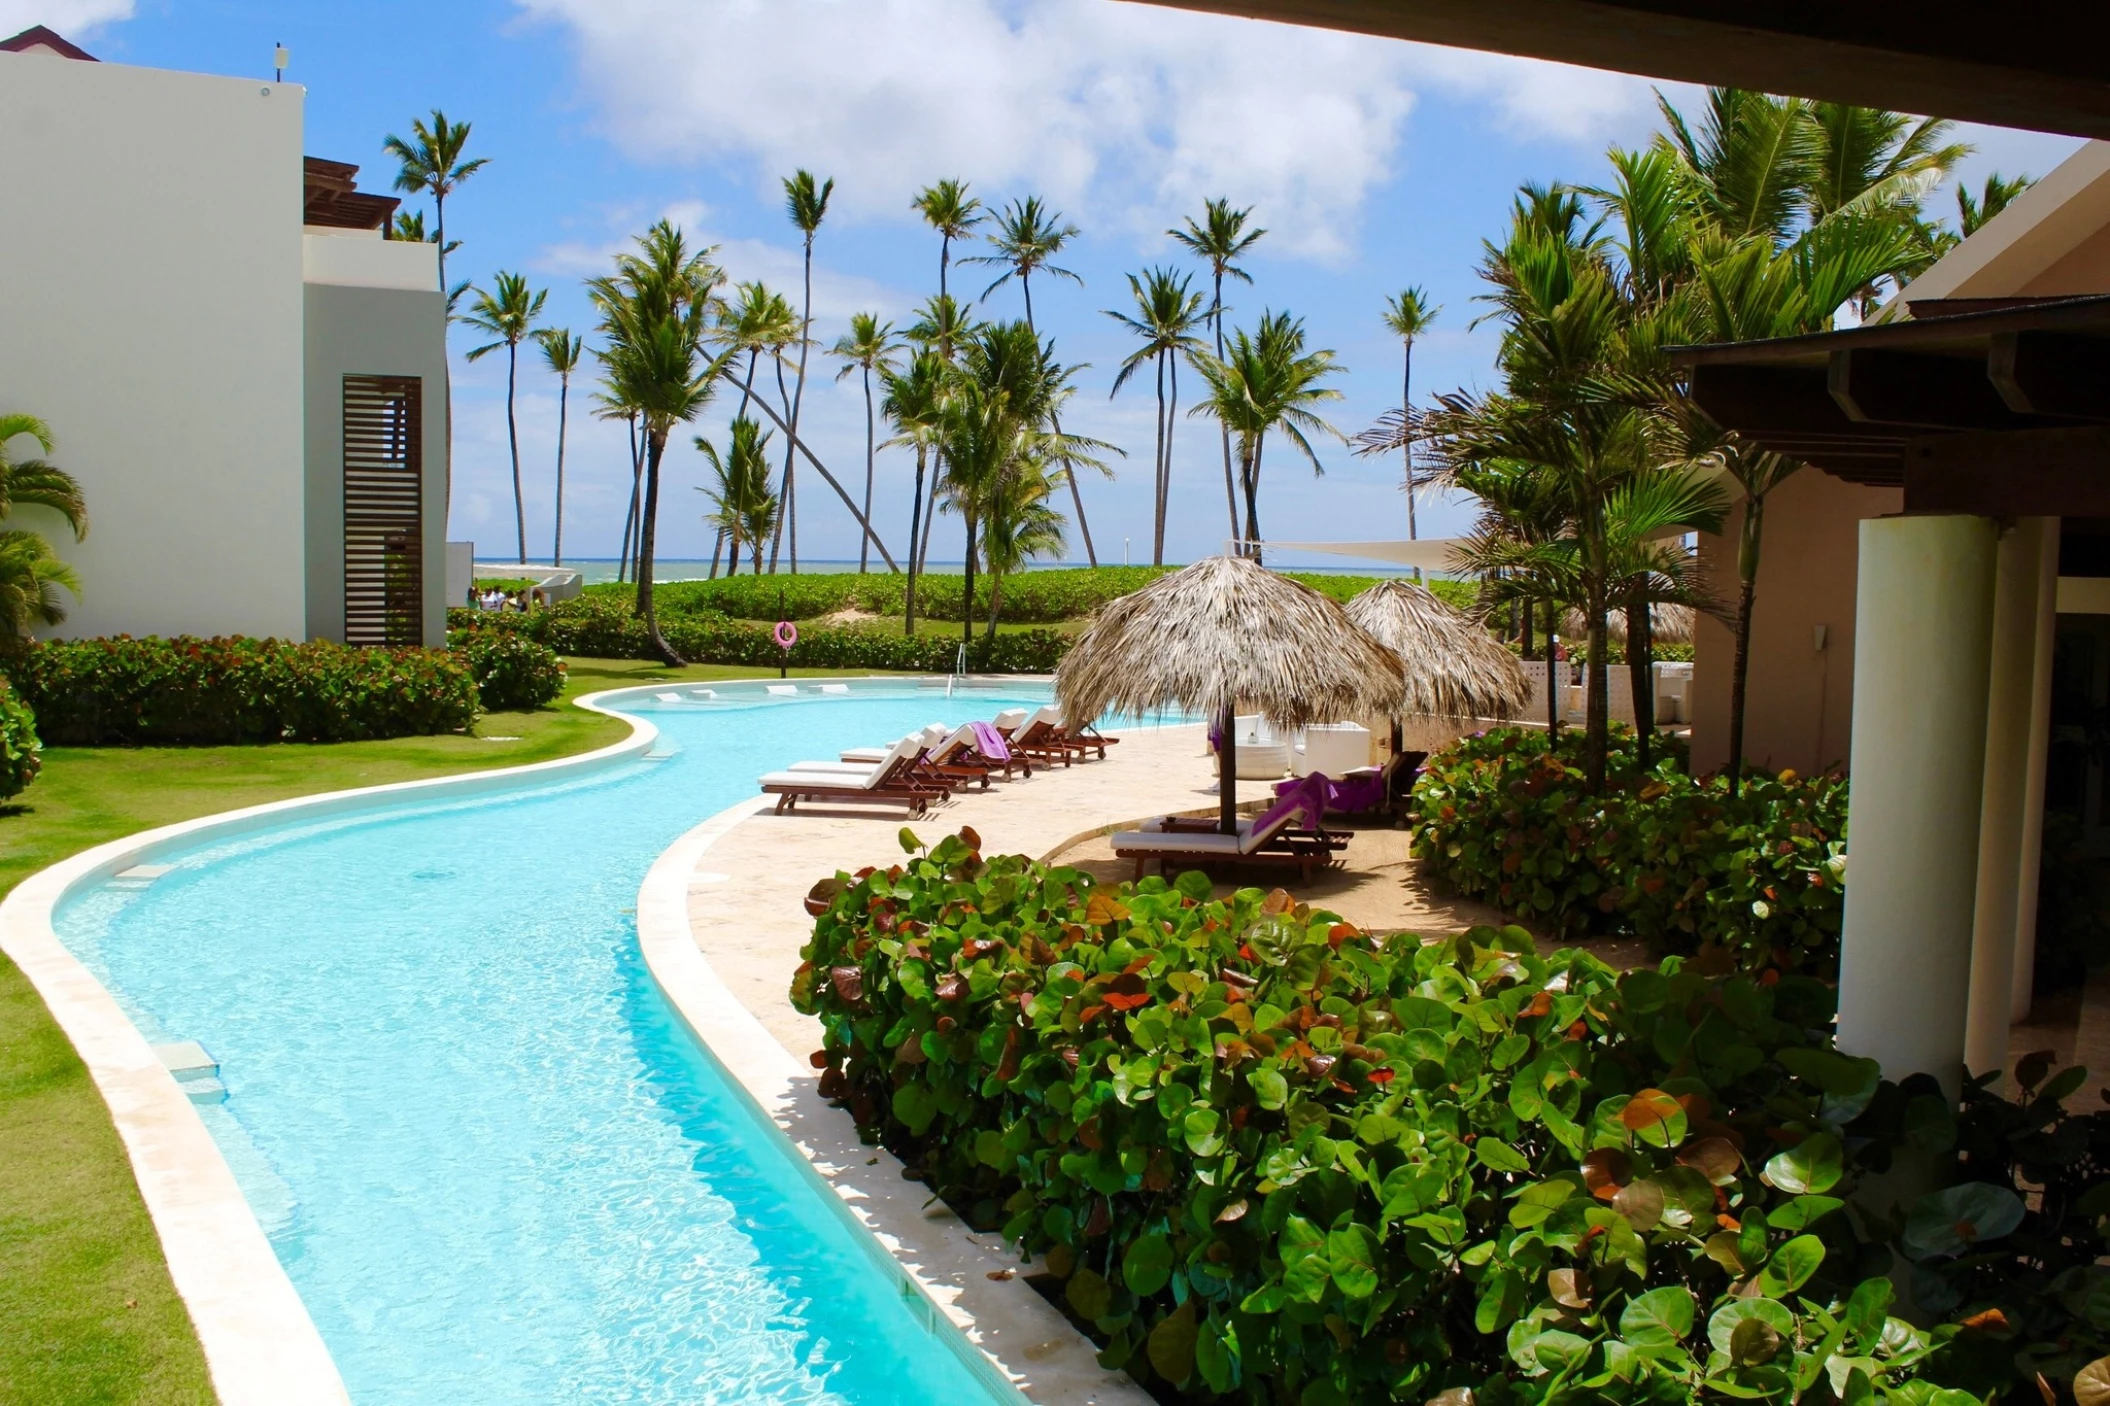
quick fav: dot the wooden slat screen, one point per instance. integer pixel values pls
(383, 511)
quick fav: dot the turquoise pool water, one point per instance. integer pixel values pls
(495, 1165)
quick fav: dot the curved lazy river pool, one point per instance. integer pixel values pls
(494, 1162)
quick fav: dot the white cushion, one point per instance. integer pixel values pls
(1160, 843)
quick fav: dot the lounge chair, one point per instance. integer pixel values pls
(1270, 838)
(1044, 737)
(891, 779)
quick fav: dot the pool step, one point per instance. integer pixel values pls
(197, 1072)
(203, 1090)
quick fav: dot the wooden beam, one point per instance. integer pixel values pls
(2043, 65)
(2051, 373)
(1881, 387)
(1769, 400)
(2038, 473)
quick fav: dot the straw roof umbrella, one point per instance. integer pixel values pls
(1219, 634)
(1454, 669)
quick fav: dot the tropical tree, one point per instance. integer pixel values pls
(508, 312)
(1267, 381)
(869, 346)
(431, 163)
(561, 350)
(947, 208)
(655, 311)
(1407, 315)
(1647, 519)
(1167, 312)
(31, 573)
(806, 202)
(1996, 195)
(914, 405)
(1220, 239)
(1019, 524)
(941, 324)
(1027, 239)
(38, 482)
(743, 508)
(409, 227)
(1519, 550)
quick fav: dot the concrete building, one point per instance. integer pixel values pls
(245, 374)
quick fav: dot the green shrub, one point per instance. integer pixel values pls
(1659, 855)
(512, 672)
(199, 692)
(1276, 1160)
(19, 748)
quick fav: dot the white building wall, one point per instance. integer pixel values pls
(150, 296)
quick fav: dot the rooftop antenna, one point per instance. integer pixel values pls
(279, 59)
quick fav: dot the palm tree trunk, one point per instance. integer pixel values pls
(944, 259)
(1084, 528)
(1597, 717)
(1638, 651)
(798, 402)
(776, 540)
(563, 412)
(513, 444)
(1216, 314)
(1556, 681)
(1157, 486)
(996, 604)
(930, 521)
(717, 550)
(1172, 410)
(864, 544)
(637, 467)
(967, 589)
(1252, 499)
(656, 448)
(915, 531)
(1746, 594)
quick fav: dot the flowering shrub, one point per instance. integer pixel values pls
(186, 691)
(19, 748)
(512, 672)
(1273, 1159)
(1659, 854)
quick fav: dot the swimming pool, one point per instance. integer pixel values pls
(495, 1165)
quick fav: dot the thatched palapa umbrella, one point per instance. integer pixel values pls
(1454, 669)
(1219, 634)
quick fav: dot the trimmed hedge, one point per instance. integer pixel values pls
(210, 692)
(512, 672)
(19, 747)
(1659, 855)
(1276, 1160)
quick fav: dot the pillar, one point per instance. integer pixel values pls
(1922, 637)
(2010, 712)
(2033, 778)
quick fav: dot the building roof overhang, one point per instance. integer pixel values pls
(1996, 405)
(334, 201)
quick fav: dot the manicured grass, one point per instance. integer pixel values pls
(87, 1311)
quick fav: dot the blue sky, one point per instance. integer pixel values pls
(1373, 164)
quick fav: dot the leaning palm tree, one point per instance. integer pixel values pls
(806, 202)
(1266, 381)
(869, 346)
(431, 163)
(1166, 314)
(742, 505)
(1220, 239)
(947, 208)
(915, 406)
(561, 350)
(508, 312)
(31, 577)
(38, 482)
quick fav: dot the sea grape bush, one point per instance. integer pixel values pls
(1659, 854)
(20, 751)
(512, 672)
(202, 692)
(1274, 1159)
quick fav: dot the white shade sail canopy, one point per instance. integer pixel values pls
(1430, 553)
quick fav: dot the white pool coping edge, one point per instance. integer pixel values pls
(261, 1347)
(1025, 1342)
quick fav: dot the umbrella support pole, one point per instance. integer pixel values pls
(1227, 767)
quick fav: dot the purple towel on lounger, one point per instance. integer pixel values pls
(989, 742)
(1292, 797)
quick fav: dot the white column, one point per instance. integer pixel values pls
(1922, 636)
(2009, 713)
(2033, 780)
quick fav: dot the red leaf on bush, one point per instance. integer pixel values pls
(1381, 1077)
(1091, 1013)
(1007, 1067)
(1541, 1004)
(1100, 1221)
(970, 837)
(910, 1051)
(1088, 1134)
(952, 986)
(1127, 992)
(849, 983)
(1605, 1170)
(818, 1059)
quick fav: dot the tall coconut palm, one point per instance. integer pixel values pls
(1028, 237)
(561, 350)
(655, 316)
(1167, 312)
(742, 505)
(1267, 381)
(1220, 239)
(806, 203)
(947, 208)
(508, 312)
(915, 406)
(869, 346)
(941, 325)
(1407, 314)
(1868, 160)
(431, 163)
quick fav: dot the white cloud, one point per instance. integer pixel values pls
(71, 18)
(1124, 115)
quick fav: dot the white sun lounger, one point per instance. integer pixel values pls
(783, 690)
(1278, 842)
(886, 780)
(835, 688)
(668, 697)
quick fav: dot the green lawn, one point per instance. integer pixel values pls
(87, 1312)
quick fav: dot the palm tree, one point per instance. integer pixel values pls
(560, 352)
(942, 324)
(1867, 159)
(1220, 239)
(1407, 315)
(947, 208)
(1996, 196)
(1019, 524)
(870, 345)
(806, 202)
(38, 482)
(431, 162)
(655, 315)
(1165, 318)
(1646, 522)
(915, 406)
(31, 574)
(1265, 381)
(742, 505)
(1028, 236)
(508, 312)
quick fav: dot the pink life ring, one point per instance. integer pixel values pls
(787, 634)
